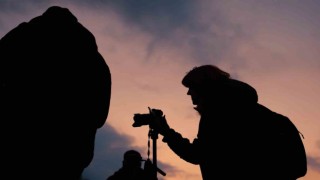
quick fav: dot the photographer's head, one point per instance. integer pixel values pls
(203, 76)
(132, 158)
(201, 81)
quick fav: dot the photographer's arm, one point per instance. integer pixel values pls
(181, 146)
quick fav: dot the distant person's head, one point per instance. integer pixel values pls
(132, 158)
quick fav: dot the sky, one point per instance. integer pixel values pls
(274, 45)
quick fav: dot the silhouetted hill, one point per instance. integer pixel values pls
(55, 94)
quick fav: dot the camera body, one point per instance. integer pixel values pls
(146, 119)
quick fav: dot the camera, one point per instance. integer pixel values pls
(146, 119)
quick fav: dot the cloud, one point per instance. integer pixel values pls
(23, 7)
(199, 30)
(159, 16)
(110, 146)
(314, 163)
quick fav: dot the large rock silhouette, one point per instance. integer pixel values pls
(55, 94)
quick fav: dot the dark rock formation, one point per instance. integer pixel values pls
(55, 94)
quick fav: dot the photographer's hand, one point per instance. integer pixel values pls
(159, 122)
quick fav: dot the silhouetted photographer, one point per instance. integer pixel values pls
(238, 138)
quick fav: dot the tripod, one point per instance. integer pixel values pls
(153, 134)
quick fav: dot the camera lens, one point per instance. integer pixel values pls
(141, 119)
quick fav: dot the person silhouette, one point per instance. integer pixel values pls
(55, 95)
(235, 139)
(131, 168)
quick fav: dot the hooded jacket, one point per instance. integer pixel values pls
(232, 140)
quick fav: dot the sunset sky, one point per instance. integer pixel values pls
(149, 45)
